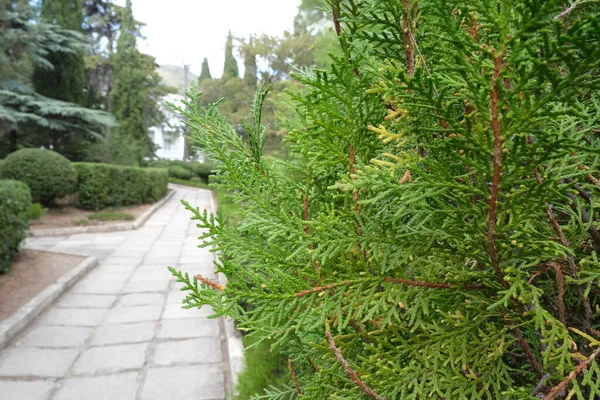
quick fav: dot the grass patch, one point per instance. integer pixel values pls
(263, 369)
(81, 221)
(111, 216)
(192, 183)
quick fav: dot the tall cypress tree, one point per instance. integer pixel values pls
(128, 102)
(230, 69)
(66, 81)
(205, 73)
(250, 68)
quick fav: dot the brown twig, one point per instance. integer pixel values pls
(587, 308)
(409, 49)
(349, 371)
(293, 373)
(312, 364)
(581, 367)
(210, 283)
(497, 171)
(560, 283)
(526, 349)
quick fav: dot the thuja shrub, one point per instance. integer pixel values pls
(102, 185)
(15, 199)
(437, 234)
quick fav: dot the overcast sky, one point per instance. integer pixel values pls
(179, 31)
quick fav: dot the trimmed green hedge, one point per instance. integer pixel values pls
(201, 170)
(103, 185)
(48, 174)
(180, 173)
(15, 199)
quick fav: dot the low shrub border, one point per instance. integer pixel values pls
(103, 185)
(48, 174)
(15, 200)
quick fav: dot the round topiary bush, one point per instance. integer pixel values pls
(48, 174)
(180, 173)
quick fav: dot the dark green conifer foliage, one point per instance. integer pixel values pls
(128, 101)
(205, 72)
(436, 236)
(230, 69)
(66, 80)
(250, 69)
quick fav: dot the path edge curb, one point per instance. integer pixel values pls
(14, 324)
(234, 346)
(140, 221)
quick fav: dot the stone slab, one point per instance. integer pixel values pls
(110, 387)
(141, 299)
(78, 300)
(110, 359)
(188, 351)
(73, 316)
(55, 336)
(26, 390)
(50, 363)
(175, 311)
(124, 333)
(121, 315)
(146, 287)
(188, 328)
(90, 286)
(184, 383)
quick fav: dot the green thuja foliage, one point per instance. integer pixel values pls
(436, 235)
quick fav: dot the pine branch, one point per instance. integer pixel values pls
(410, 52)
(349, 371)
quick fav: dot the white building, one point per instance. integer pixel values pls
(168, 137)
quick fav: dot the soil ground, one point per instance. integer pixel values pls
(32, 271)
(65, 216)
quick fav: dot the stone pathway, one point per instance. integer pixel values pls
(120, 333)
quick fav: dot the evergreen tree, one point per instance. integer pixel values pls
(66, 80)
(24, 46)
(205, 72)
(437, 236)
(249, 52)
(127, 98)
(230, 69)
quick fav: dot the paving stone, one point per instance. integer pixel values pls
(108, 276)
(188, 328)
(26, 390)
(176, 296)
(90, 286)
(124, 333)
(141, 287)
(122, 315)
(110, 359)
(55, 336)
(73, 316)
(188, 351)
(77, 300)
(150, 276)
(104, 267)
(141, 299)
(184, 383)
(110, 387)
(174, 311)
(26, 361)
